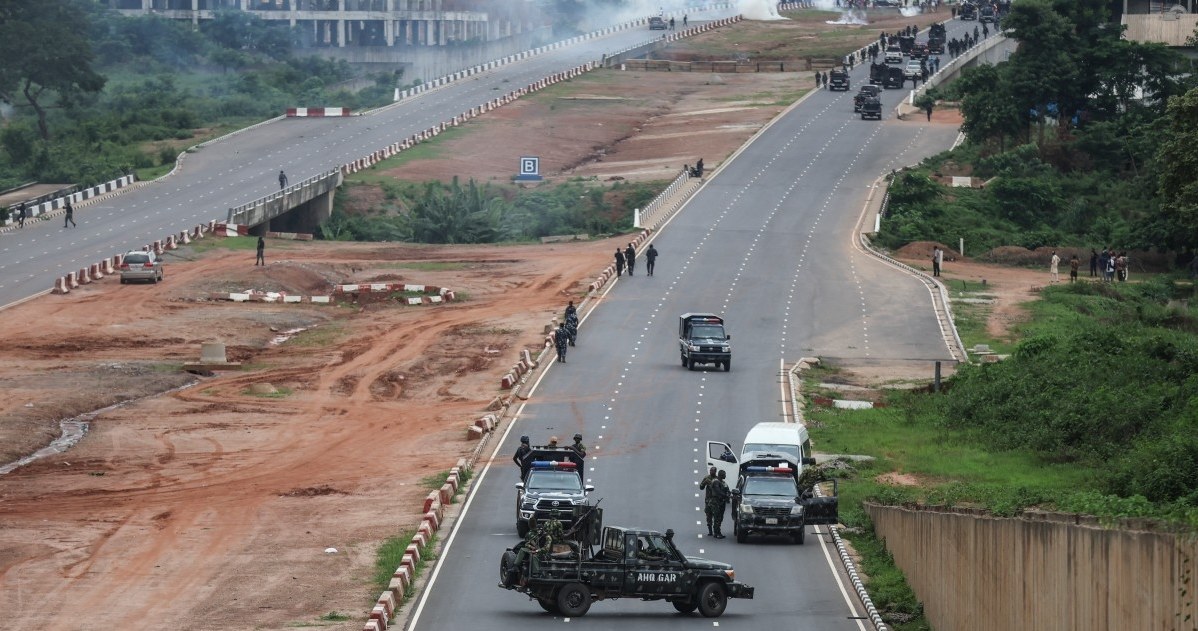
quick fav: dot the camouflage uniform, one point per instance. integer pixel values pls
(706, 485)
(720, 495)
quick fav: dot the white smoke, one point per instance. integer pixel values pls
(759, 10)
(850, 17)
(910, 12)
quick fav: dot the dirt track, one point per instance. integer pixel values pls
(210, 507)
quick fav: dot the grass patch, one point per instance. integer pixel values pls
(390, 557)
(435, 481)
(210, 243)
(317, 337)
(279, 393)
(426, 150)
(334, 616)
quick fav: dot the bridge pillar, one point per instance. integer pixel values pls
(305, 217)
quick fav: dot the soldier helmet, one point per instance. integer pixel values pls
(524, 439)
(578, 437)
(722, 474)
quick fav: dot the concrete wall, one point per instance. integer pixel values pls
(1046, 572)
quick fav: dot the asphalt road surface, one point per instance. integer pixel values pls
(245, 166)
(767, 243)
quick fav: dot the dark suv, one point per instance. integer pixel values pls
(838, 80)
(657, 24)
(865, 93)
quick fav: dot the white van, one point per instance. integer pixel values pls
(789, 440)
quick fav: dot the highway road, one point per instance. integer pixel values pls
(767, 243)
(245, 166)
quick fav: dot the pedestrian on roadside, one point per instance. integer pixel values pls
(261, 260)
(70, 216)
(1053, 264)
(629, 258)
(683, 20)
(1109, 275)
(650, 258)
(1093, 262)
(671, 24)
(818, 84)
(21, 215)
(560, 339)
(619, 262)
(937, 259)
(1074, 264)
(282, 180)
(927, 107)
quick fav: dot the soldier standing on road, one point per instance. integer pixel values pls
(619, 262)
(709, 491)
(70, 216)
(578, 447)
(629, 258)
(282, 180)
(560, 339)
(21, 215)
(261, 260)
(928, 108)
(650, 259)
(720, 496)
(521, 452)
(817, 79)
(671, 24)
(571, 310)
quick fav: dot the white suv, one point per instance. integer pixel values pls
(139, 265)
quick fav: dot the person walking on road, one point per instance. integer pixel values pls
(619, 262)
(69, 219)
(282, 180)
(629, 258)
(560, 339)
(261, 260)
(650, 259)
(21, 215)
(707, 486)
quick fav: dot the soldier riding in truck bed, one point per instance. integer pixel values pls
(591, 562)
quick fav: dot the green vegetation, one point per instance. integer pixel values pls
(96, 95)
(390, 557)
(317, 337)
(209, 243)
(334, 616)
(1093, 412)
(436, 212)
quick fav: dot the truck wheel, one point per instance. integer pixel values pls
(684, 606)
(521, 528)
(742, 535)
(728, 366)
(548, 604)
(690, 364)
(507, 566)
(574, 599)
(713, 599)
(801, 535)
(684, 361)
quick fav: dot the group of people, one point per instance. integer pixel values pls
(1111, 266)
(717, 495)
(626, 259)
(525, 447)
(567, 332)
(21, 213)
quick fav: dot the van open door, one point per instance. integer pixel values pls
(820, 511)
(721, 456)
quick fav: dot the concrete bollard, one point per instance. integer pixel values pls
(61, 286)
(72, 281)
(94, 271)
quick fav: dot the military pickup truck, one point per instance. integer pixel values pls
(551, 486)
(871, 107)
(628, 563)
(838, 80)
(768, 500)
(893, 79)
(703, 340)
(865, 93)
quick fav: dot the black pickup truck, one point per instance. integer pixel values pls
(628, 563)
(768, 500)
(838, 80)
(551, 484)
(703, 340)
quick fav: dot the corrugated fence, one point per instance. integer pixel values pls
(1043, 571)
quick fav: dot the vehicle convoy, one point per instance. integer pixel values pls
(702, 340)
(968, 11)
(551, 482)
(768, 473)
(838, 80)
(565, 576)
(894, 54)
(937, 36)
(987, 14)
(864, 93)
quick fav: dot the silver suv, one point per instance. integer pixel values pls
(139, 265)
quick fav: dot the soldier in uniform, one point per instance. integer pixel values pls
(629, 258)
(571, 310)
(619, 262)
(561, 337)
(578, 447)
(706, 485)
(720, 496)
(521, 452)
(572, 327)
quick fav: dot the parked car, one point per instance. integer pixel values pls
(657, 24)
(138, 265)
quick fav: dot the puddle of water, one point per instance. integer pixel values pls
(286, 335)
(74, 429)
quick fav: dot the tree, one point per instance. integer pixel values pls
(987, 106)
(1177, 162)
(46, 53)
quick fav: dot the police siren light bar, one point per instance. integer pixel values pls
(770, 469)
(552, 464)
